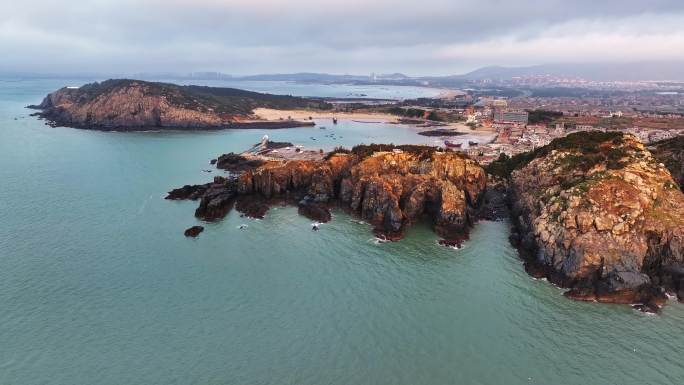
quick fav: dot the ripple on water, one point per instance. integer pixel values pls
(98, 285)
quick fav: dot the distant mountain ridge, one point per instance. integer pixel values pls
(656, 71)
(324, 77)
(303, 77)
(633, 71)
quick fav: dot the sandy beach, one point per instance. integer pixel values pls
(362, 117)
(271, 114)
(449, 94)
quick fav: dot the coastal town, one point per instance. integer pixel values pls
(518, 124)
(522, 124)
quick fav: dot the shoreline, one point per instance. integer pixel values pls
(270, 114)
(55, 121)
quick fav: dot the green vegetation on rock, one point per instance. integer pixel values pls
(202, 98)
(366, 150)
(543, 116)
(587, 145)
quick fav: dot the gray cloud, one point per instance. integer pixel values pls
(241, 36)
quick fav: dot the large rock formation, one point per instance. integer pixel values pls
(599, 214)
(390, 189)
(670, 152)
(133, 104)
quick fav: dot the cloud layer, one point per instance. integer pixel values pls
(342, 36)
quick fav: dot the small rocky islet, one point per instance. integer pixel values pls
(593, 212)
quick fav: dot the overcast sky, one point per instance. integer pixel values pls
(426, 37)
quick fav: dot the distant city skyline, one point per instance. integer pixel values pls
(241, 37)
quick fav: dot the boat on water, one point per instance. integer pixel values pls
(472, 144)
(451, 144)
(334, 120)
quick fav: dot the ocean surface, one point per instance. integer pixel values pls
(98, 285)
(323, 90)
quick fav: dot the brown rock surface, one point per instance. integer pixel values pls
(389, 189)
(600, 215)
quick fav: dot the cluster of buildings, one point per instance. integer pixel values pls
(495, 112)
(637, 104)
(649, 115)
(509, 119)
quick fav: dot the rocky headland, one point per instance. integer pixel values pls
(599, 214)
(594, 212)
(126, 105)
(388, 186)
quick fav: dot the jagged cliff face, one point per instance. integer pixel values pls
(390, 190)
(604, 217)
(671, 153)
(134, 104)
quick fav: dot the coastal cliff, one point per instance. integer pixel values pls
(390, 187)
(670, 152)
(599, 214)
(124, 104)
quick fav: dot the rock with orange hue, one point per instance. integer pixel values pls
(389, 189)
(600, 215)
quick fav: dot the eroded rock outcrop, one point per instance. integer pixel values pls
(389, 189)
(597, 213)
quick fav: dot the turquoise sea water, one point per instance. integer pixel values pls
(324, 90)
(99, 286)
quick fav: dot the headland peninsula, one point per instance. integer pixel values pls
(133, 105)
(593, 212)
